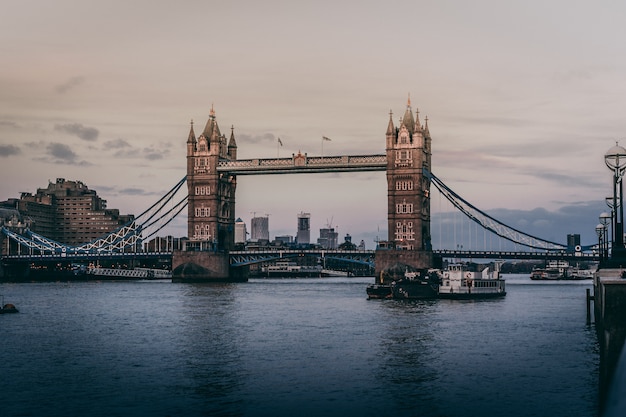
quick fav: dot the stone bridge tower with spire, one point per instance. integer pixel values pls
(211, 206)
(408, 148)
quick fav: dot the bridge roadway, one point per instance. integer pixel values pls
(300, 163)
(364, 257)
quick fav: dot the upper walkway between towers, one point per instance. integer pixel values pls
(301, 163)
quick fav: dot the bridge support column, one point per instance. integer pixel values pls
(395, 259)
(205, 266)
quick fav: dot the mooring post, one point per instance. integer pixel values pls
(589, 298)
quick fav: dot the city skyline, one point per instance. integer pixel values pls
(523, 100)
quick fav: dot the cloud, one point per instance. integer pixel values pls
(132, 191)
(265, 137)
(9, 124)
(153, 154)
(77, 129)
(8, 150)
(116, 144)
(61, 152)
(69, 84)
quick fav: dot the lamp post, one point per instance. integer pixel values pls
(600, 233)
(615, 160)
(605, 219)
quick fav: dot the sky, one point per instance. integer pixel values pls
(523, 99)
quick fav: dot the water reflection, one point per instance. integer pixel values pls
(211, 345)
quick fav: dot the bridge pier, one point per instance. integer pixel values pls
(205, 266)
(387, 259)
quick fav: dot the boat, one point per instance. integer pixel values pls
(580, 274)
(291, 269)
(7, 308)
(458, 282)
(416, 285)
(560, 270)
(379, 291)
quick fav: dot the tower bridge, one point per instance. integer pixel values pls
(211, 178)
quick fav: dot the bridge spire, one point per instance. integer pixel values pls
(390, 128)
(192, 135)
(232, 145)
(407, 120)
(211, 126)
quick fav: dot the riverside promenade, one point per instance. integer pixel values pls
(610, 319)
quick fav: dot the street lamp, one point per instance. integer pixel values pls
(600, 233)
(615, 160)
(605, 219)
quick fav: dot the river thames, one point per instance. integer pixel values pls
(284, 347)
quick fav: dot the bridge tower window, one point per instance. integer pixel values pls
(203, 190)
(403, 185)
(203, 211)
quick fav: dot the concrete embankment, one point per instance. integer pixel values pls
(610, 320)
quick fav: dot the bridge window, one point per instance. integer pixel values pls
(205, 190)
(404, 185)
(404, 231)
(404, 208)
(201, 165)
(203, 211)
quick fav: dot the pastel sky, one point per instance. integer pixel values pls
(523, 100)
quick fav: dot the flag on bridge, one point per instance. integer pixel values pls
(325, 138)
(280, 141)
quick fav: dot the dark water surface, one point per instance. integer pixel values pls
(285, 347)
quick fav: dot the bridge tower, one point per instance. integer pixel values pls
(211, 195)
(211, 206)
(408, 148)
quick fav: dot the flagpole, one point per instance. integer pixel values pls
(323, 139)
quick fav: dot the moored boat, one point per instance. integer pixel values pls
(7, 308)
(378, 291)
(416, 285)
(291, 269)
(458, 282)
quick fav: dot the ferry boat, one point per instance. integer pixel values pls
(554, 270)
(291, 269)
(560, 270)
(458, 282)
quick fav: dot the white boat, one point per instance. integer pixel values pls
(560, 270)
(458, 282)
(291, 269)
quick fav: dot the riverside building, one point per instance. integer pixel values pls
(67, 212)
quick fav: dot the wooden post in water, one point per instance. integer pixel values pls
(589, 299)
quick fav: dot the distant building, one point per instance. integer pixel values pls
(573, 241)
(304, 228)
(67, 212)
(260, 228)
(328, 238)
(285, 239)
(241, 233)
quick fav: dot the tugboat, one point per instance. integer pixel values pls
(418, 285)
(458, 282)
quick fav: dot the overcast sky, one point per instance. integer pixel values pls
(523, 100)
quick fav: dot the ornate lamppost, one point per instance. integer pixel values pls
(615, 160)
(600, 232)
(605, 219)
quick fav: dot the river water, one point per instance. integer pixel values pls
(285, 347)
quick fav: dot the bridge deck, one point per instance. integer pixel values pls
(302, 163)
